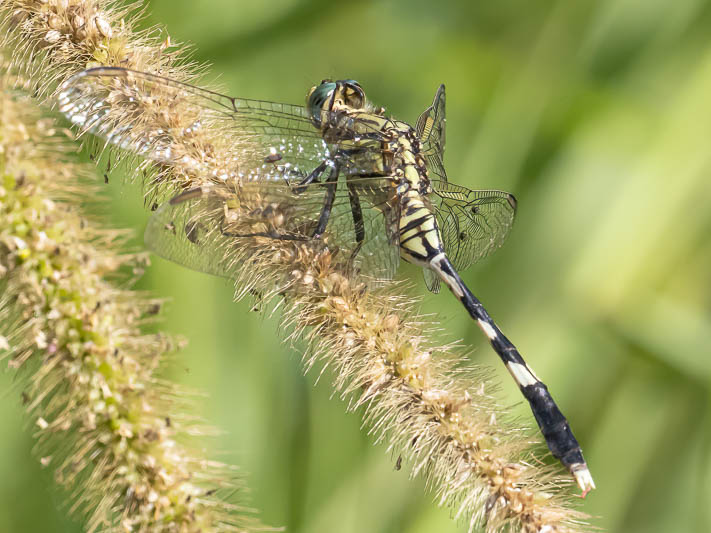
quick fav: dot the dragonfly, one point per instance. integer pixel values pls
(345, 174)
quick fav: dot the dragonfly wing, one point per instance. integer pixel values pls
(472, 223)
(264, 140)
(187, 233)
(376, 258)
(431, 128)
(432, 280)
(202, 229)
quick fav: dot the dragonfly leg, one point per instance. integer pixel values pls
(554, 426)
(304, 183)
(331, 184)
(357, 212)
(192, 228)
(358, 224)
(272, 234)
(315, 173)
(269, 234)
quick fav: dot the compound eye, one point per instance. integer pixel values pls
(316, 100)
(354, 95)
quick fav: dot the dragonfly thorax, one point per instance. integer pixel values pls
(341, 112)
(409, 162)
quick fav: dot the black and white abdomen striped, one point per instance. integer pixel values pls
(421, 244)
(420, 241)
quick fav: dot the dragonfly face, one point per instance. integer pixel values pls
(329, 96)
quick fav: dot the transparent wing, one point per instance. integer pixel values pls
(176, 123)
(188, 233)
(432, 281)
(431, 126)
(202, 230)
(431, 129)
(377, 256)
(472, 224)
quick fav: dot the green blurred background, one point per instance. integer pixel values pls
(597, 116)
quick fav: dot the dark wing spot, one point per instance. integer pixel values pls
(193, 231)
(273, 158)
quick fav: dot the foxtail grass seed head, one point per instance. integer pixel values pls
(420, 398)
(111, 432)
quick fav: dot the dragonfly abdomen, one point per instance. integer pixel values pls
(551, 421)
(419, 235)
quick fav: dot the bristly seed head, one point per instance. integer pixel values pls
(98, 409)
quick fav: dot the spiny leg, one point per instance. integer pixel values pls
(192, 228)
(269, 234)
(315, 173)
(358, 224)
(331, 183)
(554, 426)
(304, 183)
(357, 212)
(272, 234)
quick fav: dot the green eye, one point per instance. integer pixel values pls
(317, 99)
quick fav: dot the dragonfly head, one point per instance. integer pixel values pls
(332, 96)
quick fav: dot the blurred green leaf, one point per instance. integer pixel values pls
(597, 116)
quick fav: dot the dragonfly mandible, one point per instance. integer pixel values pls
(368, 184)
